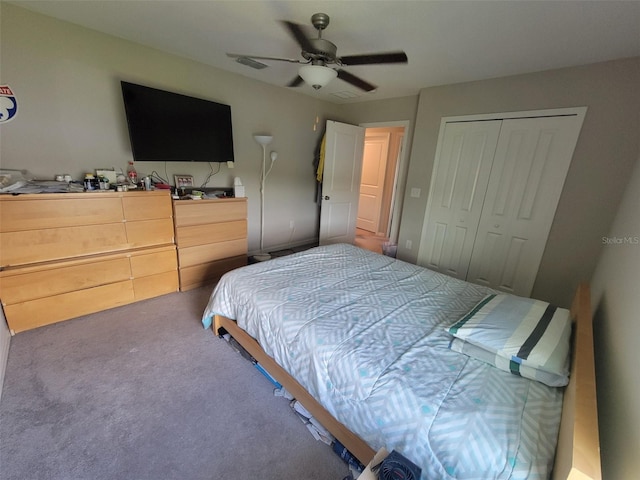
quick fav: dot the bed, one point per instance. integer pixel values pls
(364, 342)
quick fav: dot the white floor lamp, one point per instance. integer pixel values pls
(263, 140)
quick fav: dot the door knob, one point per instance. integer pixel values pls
(326, 197)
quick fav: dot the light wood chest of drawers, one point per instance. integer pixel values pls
(211, 236)
(71, 254)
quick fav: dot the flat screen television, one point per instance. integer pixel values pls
(170, 127)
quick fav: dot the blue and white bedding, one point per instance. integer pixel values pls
(365, 335)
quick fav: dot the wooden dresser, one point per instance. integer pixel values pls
(70, 254)
(211, 236)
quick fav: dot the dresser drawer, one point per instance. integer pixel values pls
(190, 256)
(197, 275)
(146, 233)
(22, 287)
(155, 285)
(199, 212)
(144, 264)
(32, 246)
(42, 212)
(211, 233)
(146, 206)
(45, 311)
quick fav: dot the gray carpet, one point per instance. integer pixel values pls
(144, 392)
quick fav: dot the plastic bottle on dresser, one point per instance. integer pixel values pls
(132, 174)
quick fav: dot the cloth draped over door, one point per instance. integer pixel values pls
(319, 164)
(320, 168)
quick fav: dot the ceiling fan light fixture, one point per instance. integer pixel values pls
(317, 76)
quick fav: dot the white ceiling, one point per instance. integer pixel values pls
(446, 41)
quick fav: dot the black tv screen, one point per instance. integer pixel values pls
(170, 127)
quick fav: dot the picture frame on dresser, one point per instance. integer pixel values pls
(183, 181)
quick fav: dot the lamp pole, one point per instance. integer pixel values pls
(263, 140)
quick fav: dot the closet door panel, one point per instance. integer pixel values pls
(446, 252)
(460, 178)
(530, 165)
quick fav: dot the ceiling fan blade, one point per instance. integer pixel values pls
(257, 57)
(374, 58)
(295, 82)
(296, 31)
(355, 81)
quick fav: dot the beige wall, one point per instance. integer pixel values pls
(604, 156)
(71, 117)
(616, 304)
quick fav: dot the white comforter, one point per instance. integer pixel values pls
(364, 334)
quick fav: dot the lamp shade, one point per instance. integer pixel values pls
(263, 139)
(316, 75)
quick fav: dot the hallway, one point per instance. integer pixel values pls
(369, 240)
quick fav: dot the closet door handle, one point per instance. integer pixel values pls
(326, 197)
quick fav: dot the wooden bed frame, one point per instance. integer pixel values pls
(578, 450)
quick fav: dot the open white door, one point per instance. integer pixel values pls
(344, 146)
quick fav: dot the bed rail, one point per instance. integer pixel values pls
(350, 440)
(578, 452)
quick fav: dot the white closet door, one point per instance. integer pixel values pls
(529, 168)
(459, 183)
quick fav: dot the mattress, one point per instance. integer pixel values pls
(365, 335)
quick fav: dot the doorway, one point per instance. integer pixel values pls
(341, 181)
(381, 185)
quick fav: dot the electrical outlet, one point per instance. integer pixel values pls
(408, 244)
(292, 224)
(415, 192)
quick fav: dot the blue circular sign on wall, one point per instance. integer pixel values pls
(8, 104)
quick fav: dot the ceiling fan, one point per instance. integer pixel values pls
(318, 53)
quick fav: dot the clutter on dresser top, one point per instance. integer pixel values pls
(14, 181)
